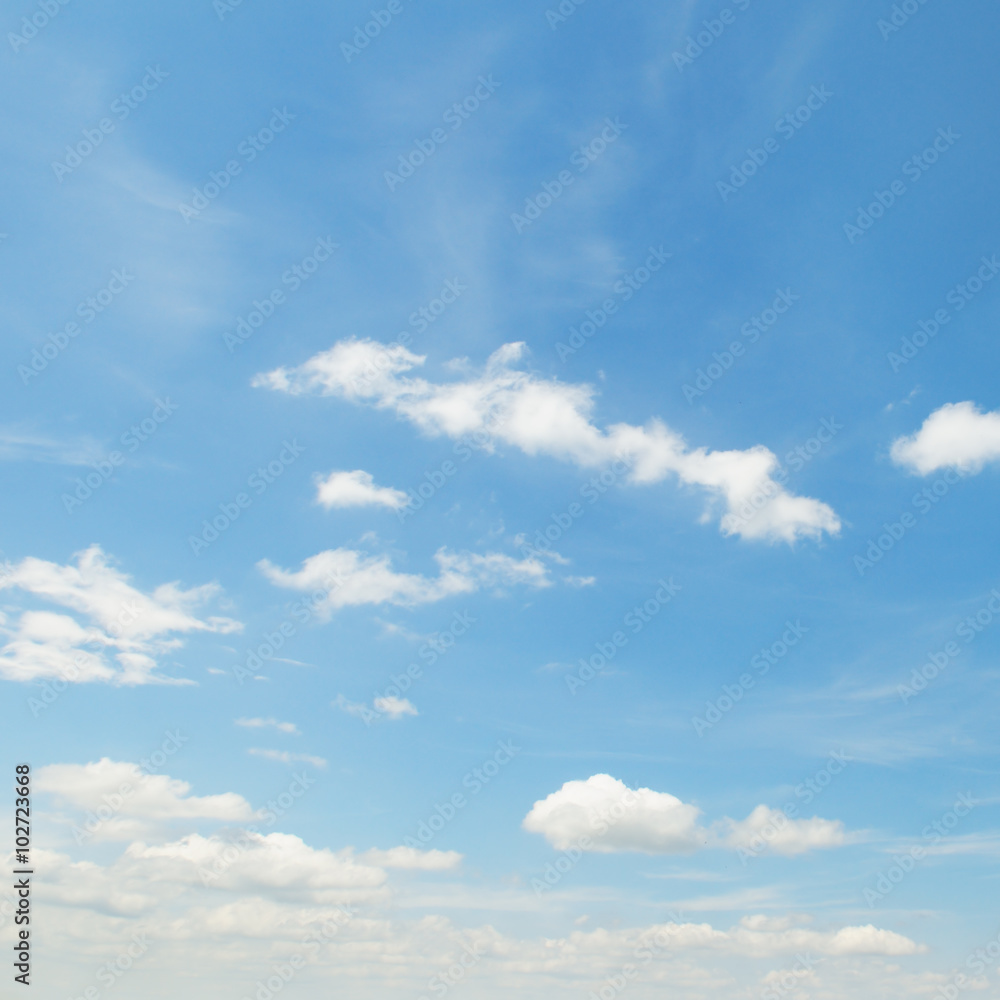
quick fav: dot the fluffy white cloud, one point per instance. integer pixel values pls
(128, 801)
(125, 628)
(771, 829)
(233, 906)
(253, 862)
(956, 436)
(603, 814)
(356, 489)
(548, 417)
(394, 707)
(349, 578)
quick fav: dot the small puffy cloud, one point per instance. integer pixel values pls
(390, 706)
(394, 707)
(956, 436)
(356, 489)
(284, 757)
(773, 830)
(114, 632)
(603, 814)
(613, 817)
(282, 727)
(546, 417)
(130, 802)
(351, 578)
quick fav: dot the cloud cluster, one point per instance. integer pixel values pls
(546, 417)
(131, 802)
(603, 814)
(347, 578)
(231, 905)
(955, 436)
(116, 631)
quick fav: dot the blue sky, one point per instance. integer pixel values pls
(568, 175)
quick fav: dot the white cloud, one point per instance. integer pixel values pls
(233, 905)
(547, 417)
(282, 727)
(413, 859)
(284, 757)
(616, 818)
(356, 489)
(956, 436)
(353, 578)
(772, 829)
(113, 617)
(391, 706)
(129, 802)
(277, 861)
(608, 816)
(394, 707)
